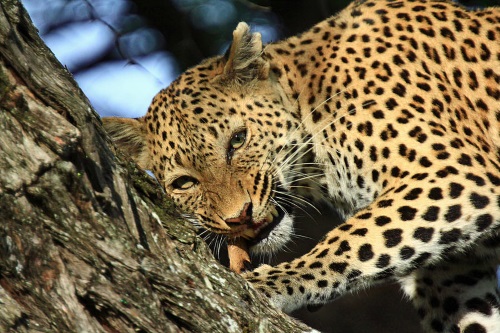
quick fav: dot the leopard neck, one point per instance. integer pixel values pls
(298, 63)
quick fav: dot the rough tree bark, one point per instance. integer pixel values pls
(87, 241)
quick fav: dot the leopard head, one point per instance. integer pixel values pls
(225, 141)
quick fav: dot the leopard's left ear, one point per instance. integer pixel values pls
(243, 60)
(130, 136)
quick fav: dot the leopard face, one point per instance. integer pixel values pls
(227, 157)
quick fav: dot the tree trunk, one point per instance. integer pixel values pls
(88, 243)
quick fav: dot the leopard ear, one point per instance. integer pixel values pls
(129, 135)
(243, 59)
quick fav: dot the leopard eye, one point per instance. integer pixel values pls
(184, 183)
(237, 141)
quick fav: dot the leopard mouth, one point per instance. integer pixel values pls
(254, 231)
(264, 231)
(270, 233)
(277, 231)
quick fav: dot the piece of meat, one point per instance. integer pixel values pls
(238, 254)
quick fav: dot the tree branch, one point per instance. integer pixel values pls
(88, 243)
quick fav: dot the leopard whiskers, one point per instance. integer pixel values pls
(193, 219)
(293, 107)
(210, 239)
(299, 153)
(205, 234)
(268, 256)
(295, 200)
(294, 157)
(221, 240)
(273, 200)
(277, 200)
(302, 187)
(298, 173)
(305, 176)
(301, 124)
(214, 241)
(301, 236)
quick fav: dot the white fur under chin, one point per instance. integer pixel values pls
(276, 239)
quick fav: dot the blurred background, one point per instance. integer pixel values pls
(122, 52)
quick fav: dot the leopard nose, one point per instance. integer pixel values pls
(244, 217)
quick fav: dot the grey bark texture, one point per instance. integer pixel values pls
(88, 243)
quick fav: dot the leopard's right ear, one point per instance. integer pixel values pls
(129, 135)
(243, 60)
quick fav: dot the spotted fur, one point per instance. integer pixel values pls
(389, 111)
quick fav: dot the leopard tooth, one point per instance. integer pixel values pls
(249, 233)
(274, 211)
(269, 217)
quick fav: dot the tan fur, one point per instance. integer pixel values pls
(389, 111)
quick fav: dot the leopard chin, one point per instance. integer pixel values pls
(273, 237)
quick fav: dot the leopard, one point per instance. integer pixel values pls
(388, 111)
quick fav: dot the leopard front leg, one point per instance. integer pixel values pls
(387, 240)
(313, 279)
(290, 286)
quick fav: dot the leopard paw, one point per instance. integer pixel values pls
(281, 290)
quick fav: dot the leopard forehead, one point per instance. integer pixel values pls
(191, 121)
